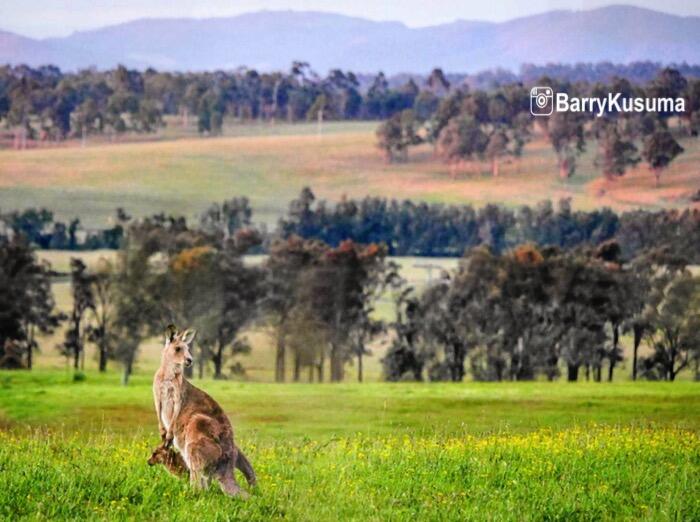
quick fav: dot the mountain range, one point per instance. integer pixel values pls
(271, 40)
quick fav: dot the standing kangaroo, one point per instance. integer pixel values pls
(194, 422)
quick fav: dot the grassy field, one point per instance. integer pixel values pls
(510, 451)
(270, 165)
(77, 449)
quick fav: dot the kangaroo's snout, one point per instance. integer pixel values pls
(188, 361)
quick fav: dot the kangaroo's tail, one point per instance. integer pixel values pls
(244, 465)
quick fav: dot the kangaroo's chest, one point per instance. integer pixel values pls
(169, 400)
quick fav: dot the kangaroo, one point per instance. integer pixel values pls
(169, 458)
(194, 422)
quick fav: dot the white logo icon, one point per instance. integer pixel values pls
(541, 101)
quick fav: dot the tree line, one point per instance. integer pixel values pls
(48, 104)
(316, 300)
(407, 228)
(535, 312)
(519, 313)
(466, 125)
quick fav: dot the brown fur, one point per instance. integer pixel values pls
(169, 458)
(194, 422)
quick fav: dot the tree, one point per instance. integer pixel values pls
(660, 149)
(497, 146)
(240, 292)
(616, 153)
(397, 134)
(404, 359)
(285, 268)
(437, 83)
(565, 130)
(669, 83)
(582, 297)
(83, 301)
(26, 302)
(102, 289)
(137, 290)
(460, 140)
(674, 333)
(339, 291)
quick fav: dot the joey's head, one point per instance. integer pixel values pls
(176, 352)
(159, 456)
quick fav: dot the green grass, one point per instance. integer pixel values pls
(50, 398)
(574, 475)
(509, 451)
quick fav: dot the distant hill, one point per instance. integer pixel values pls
(270, 40)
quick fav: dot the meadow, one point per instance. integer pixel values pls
(471, 451)
(180, 174)
(75, 446)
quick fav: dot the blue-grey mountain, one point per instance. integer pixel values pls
(270, 40)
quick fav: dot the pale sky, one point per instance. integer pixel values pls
(43, 18)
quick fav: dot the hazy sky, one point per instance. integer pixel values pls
(41, 18)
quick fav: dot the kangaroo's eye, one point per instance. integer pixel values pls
(178, 349)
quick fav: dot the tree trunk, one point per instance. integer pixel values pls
(637, 341)
(672, 363)
(127, 371)
(297, 366)
(572, 372)
(359, 365)
(30, 348)
(611, 369)
(103, 355)
(218, 359)
(279, 358)
(336, 364)
(311, 373)
(82, 355)
(613, 355)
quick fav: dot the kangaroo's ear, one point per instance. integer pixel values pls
(188, 336)
(170, 333)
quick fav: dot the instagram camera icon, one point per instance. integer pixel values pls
(541, 101)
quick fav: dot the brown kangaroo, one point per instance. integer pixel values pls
(194, 422)
(169, 458)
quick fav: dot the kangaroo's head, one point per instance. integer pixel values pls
(176, 352)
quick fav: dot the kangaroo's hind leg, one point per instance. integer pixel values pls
(227, 481)
(202, 455)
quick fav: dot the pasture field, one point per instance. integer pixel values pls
(471, 451)
(270, 165)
